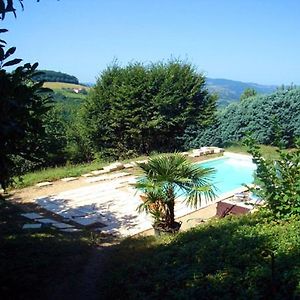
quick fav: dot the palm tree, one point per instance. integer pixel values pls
(168, 177)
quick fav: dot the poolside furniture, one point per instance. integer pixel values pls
(240, 196)
(184, 153)
(227, 207)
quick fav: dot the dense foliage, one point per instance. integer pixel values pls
(249, 257)
(271, 119)
(279, 180)
(22, 108)
(53, 76)
(139, 109)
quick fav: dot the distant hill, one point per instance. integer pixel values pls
(231, 90)
(54, 76)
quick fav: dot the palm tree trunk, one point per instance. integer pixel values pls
(170, 215)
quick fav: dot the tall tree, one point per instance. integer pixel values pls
(248, 93)
(22, 107)
(143, 108)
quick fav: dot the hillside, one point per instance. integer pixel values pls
(230, 90)
(64, 85)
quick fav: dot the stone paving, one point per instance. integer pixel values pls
(112, 203)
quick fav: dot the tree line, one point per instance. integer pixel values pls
(53, 76)
(271, 119)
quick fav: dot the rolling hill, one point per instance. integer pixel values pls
(231, 90)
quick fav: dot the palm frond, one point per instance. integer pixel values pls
(175, 172)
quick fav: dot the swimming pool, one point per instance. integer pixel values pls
(230, 173)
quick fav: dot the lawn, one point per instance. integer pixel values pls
(269, 152)
(37, 265)
(224, 259)
(51, 174)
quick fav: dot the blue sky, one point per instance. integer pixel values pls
(252, 41)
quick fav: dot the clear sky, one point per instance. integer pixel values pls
(247, 40)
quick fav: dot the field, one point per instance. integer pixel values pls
(63, 85)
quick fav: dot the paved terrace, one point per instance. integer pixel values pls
(108, 203)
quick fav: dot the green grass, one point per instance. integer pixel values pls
(51, 174)
(35, 265)
(70, 94)
(268, 152)
(64, 85)
(223, 259)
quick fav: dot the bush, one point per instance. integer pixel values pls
(271, 119)
(224, 259)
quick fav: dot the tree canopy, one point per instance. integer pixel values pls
(22, 108)
(142, 108)
(53, 76)
(248, 93)
(271, 119)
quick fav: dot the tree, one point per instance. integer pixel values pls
(22, 107)
(166, 178)
(248, 93)
(53, 76)
(144, 108)
(271, 119)
(279, 180)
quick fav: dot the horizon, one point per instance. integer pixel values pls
(223, 40)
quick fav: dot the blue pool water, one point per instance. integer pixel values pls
(230, 173)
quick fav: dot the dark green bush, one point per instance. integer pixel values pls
(225, 259)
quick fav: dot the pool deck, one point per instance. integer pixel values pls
(111, 205)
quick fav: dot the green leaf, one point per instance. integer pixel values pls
(12, 62)
(10, 52)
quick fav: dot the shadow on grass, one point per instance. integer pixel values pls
(227, 259)
(35, 265)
